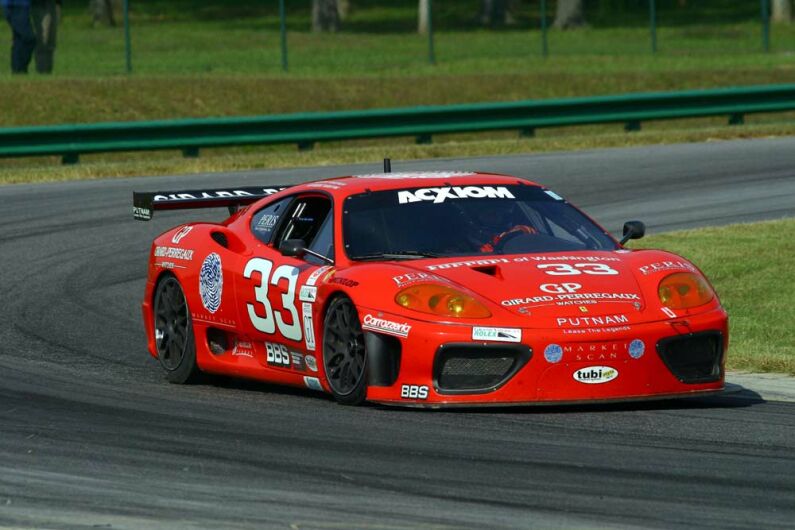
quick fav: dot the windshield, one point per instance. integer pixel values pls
(464, 221)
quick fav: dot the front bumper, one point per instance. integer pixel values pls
(604, 366)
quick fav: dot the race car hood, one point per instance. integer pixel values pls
(573, 285)
(580, 290)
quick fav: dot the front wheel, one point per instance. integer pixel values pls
(343, 352)
(176, 347)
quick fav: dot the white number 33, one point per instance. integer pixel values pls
(564, 269)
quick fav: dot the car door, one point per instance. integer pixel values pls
(274, 299)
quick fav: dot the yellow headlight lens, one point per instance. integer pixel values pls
(684, 290)
(441, 300)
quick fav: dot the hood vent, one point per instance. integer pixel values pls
(490, 270)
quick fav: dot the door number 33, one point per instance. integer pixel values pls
(564, 269)
(272, 319)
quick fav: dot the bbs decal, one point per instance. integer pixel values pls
(414, 392)
(277, 355)
(564, 269)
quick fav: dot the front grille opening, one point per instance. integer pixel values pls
(470, 368)
(695, 358)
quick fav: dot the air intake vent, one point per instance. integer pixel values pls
(477, 368)
(694, 358)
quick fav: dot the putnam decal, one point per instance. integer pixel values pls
(609, 320)
(439, 195)
(385, 326)
(595, 375)
(497, 334)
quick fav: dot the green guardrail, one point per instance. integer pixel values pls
(305, 129)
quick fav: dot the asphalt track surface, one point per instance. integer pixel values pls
(92, 436)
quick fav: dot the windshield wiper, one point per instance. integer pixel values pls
(398, 254)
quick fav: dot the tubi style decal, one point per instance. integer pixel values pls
(211, 282)
(595, 375)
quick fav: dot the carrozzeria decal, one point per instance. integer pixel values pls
(439, 195)
(595, 375)
(211, 282)
(385, 326)
(497, 334)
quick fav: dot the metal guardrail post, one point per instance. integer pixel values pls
(283, 34)
(653, 25)
(127, 39)
(544, 42)
(765, 25)
(431, 50)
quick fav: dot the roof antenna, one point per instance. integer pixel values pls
(387, 165)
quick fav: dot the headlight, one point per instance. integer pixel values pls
(441, 300)
(684, 290)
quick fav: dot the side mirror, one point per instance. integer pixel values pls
(633, 230)
(294, 248)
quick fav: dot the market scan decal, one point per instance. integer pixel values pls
(497, 334)
(594, 375)
(439, 195)
(211, 282)
(385, 326)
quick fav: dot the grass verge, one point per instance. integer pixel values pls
(750, 267)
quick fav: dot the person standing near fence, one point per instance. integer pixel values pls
(17, 13)
(46, 14)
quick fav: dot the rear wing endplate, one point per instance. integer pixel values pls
(145, 203)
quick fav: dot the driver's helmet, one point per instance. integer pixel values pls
(494, 217)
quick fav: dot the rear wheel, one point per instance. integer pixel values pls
(176, 347)
(343, 352)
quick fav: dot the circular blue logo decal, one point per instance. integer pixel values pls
(211, 282)
(636, 349)
(553, 353)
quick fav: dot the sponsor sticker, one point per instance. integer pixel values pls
(180, 235)
(414, 392)
(637, 348)
(440, 195)
(299, 363)
(668, 312)
(309, 326)
(553, 195)
(313, 383)
(608, 320)
(414, 277)
(219, 194)
(142, 213)
(277, 355)
(344, 281)
(311, 362)
(497, 334)
(243, 349)
(553, 353)
(266, 223)
(308, 293)
(595, 375)
(382, 325)
(211, 282)
(572, 299)
(417, 175)
(317, 273)
(651, 268)
(183, 254)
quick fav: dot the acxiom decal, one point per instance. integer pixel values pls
(439, 195)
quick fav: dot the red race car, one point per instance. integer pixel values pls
(429, 289)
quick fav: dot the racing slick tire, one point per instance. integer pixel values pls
(344, 355)
(176, 346)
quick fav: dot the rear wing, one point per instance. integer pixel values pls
(145, 203)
